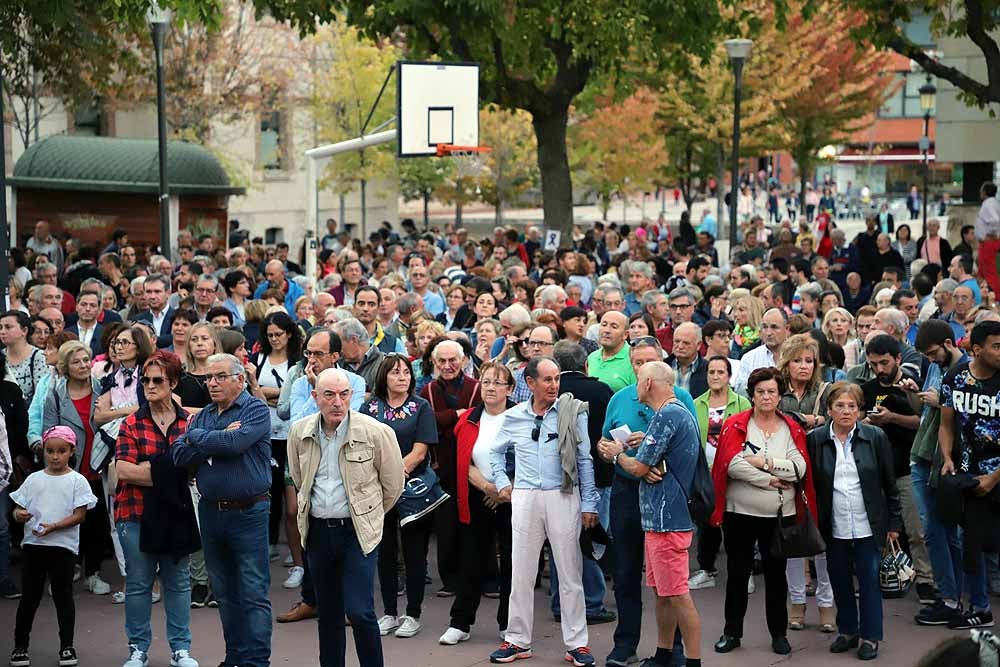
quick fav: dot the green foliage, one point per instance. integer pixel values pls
(420, 176)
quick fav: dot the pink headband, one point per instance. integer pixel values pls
(61, 432)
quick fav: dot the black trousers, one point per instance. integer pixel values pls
(709, 541)
(39, 563)
(414, 538)
(741, 532)
(95, 532)
(477, 544)
(279, 452)
(445, 520)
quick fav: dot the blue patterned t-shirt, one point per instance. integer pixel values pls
(673, 437)
(976, 403)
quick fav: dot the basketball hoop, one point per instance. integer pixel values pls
(468, 159)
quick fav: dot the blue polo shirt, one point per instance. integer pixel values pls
(626, 410)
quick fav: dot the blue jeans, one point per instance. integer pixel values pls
(141, 571)
(344, 580)
(944, 543)
(863, 557)
(594, 586)
(630, 550)
(4, 536)
(236, 553)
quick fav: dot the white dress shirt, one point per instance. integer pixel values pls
(759, 357)
(329, 497)
(850, 518)
(86, 335)
(158, 319)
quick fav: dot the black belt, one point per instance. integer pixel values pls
(240, 504)
(333, 523)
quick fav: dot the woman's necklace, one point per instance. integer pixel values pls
(163, 419)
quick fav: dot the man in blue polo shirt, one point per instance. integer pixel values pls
(228, 444)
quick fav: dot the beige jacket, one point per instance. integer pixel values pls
(370, 464)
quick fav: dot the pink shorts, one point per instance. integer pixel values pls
(667, 562)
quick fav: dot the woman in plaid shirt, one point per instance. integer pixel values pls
(150, 431)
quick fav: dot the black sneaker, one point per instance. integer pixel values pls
(972, 619)
(67, 657)
(938, 614)
(926, 593)
(9, 590)
(19, 658)
(199, 596)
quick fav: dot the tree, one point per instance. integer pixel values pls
(848, 85)
(509, 168)
(534, 56)
(420, 177)
(978, 20)
(620, 149)
(341, 105)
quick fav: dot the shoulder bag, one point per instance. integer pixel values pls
(796, 536)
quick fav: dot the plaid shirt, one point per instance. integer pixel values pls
(139, 439)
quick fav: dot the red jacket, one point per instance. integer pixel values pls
(731, 440)
(466, 433)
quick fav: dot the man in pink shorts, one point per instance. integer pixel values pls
(666, 462)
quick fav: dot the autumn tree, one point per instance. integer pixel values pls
(510, 168)
(420, 177)
(344, 96)
(619, 149)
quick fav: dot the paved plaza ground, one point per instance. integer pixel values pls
(100, 639)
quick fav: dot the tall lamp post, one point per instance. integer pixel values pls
(159, 22)
(927, 94)
(739, 52)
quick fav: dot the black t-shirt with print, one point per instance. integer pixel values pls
(894, 400)
(976, 403)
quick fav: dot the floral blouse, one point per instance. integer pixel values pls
(413, 421)
(28, 373)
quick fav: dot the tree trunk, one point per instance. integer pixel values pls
(364, 209)
(720, 175)
(343, 208)
(498, 212)
(686, 181)
(553, 163)
(427, 202)
(458, 214)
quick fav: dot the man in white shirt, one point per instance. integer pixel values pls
(988, 233)
(87, 328)
(773, 332)
(156, 289)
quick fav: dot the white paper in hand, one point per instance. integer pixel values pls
(621, 434)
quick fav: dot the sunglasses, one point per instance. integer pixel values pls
(537, 431)
(146, 380)
(644, 340)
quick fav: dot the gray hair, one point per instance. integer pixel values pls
(649, 298)
(515, 314)
(690, 325)
(35, 294)
(570, 356)
(235, 365)
(897, 318)
(812, 290)
(640, 267)
(550, 293)
(408, 303)
(604, 289)
(96, 282)
(329, 373)
(352, 328)
(947, 285)
(448, 344)
(681, 293)
(137, 285)
(208, 277)
(158, 278)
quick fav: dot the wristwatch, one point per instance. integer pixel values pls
(766, 467)
(614, 459)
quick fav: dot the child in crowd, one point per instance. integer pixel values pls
(52, 503)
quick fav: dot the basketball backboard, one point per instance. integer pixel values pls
(436, 103)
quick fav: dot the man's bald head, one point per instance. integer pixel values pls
(333, 396)
(274, 271)
(613, 331)
(655, 384)
(332, 378)
(657, 371)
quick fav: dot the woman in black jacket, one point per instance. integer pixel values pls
(15, 416)
(858, 509)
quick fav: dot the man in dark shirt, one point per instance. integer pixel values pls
(892, 404)
(228, 445)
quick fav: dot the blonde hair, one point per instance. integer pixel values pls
(66, 352)
(429, 326)
(836, 311)
(213, 331)
(755, 309)
(255, 310)
(791, 349)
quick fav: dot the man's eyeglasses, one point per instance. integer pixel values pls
(536, 343)
(220, 377)
(319, 354)
(537, 431)
(681, 306)
(205, 290)
(146, 380)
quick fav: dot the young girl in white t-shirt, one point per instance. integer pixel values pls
(52, 503)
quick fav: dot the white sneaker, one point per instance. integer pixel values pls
(751, 586)
(96, 585)
(136, 658)
(289, 561)
(387, 624)
(408, 626)
(118, 597)
(701, 579)
(452, 636)
(77, 572)
(156, 595)
(182, 659)
(294, 579)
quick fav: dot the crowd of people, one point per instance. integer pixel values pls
(527, 409)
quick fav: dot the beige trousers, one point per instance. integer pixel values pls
(914, 532)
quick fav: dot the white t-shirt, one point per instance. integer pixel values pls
(279, 426)
(52, 498)
(489, 429)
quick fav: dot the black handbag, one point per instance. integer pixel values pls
(797, 536)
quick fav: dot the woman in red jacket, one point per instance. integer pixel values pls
(761, 454)
(484, 519)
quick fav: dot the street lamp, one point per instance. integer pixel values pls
(927, 94)
(159, 21)
(739, 52)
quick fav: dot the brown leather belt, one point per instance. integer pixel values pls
(241, 504)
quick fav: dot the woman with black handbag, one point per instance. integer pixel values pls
(859, 511)
(761, 457)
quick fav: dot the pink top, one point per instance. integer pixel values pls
(932, 250)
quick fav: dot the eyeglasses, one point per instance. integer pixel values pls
(205, 290)
(220, 377)
(681, 306)
(537, 431)
(536, 343)
(122, 342)
(494, 383)
(153, 380)
(309, 354)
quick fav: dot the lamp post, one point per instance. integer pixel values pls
(738, 51)
(159, 21)
(927, 93)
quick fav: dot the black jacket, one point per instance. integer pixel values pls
(597, 395)
(168, 525)
(698, 384)
(166, 337)
(16, 414)
(873, 457)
